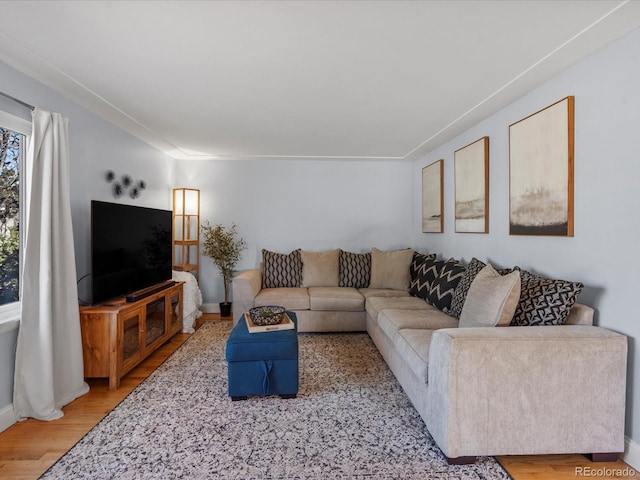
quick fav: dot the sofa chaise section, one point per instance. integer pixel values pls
(507, 390)
(523, 390)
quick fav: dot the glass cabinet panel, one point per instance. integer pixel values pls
(155, 326)
(131, 337)
(175, 317)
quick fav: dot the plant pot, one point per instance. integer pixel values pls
(225, 309)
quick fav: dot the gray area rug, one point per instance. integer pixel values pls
(351, 420)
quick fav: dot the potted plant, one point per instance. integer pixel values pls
(220, 243)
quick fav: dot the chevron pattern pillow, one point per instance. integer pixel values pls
(280, 270)
(460, 293)
(355, 269)
(423, 271)
(544, 301)
(441, 291)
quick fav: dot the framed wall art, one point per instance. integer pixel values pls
(472, 187)
(541, 172)
(432, 198)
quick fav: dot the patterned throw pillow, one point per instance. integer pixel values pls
(442, 288)
(355, 269)
(280, 270)
(423, 271)
(544, 301)
(460, 293)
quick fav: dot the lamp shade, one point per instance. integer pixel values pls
(186, 230)
(186, 201)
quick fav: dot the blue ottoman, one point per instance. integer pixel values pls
(264, 363)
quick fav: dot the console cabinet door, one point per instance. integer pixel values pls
(155, 324)
(118, 336)
(175, 311)
(130, 331)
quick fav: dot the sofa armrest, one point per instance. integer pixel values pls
(246, 285)
(527, 390)
(580, 315)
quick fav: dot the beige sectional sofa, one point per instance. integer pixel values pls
(481, 391)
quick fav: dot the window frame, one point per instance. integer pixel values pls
(10, 312)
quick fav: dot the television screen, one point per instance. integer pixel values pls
(130, 249)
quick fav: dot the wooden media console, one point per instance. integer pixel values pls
(118, 335)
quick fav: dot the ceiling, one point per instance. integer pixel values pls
(302, 79)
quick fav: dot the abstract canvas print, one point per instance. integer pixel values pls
(432, 198)
(472, 187)
(541, 172)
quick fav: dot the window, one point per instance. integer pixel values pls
(11, 153)
(13, 138)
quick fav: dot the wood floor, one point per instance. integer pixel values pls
(28, 448)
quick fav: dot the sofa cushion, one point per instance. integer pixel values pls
(544, 301)
(375, 305)
(382, 292)
(354, 269)
(390, 269)
(320, 269)
(289, 298)
(460, 293)
(392, 320)
(280, 270)
(422, 272)
(444, 285)
(336, 298)
(413, 346)
(492, 299)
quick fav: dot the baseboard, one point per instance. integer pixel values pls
(631, 453)
(210, 308)
(7, 417)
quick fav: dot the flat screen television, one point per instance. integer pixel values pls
(130, 249)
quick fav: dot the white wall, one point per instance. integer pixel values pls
(95, 147)
(289, 204)
(603, 254)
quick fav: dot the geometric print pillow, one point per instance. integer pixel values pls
(460, 293)
(442, 288)
(355, 269)
(423, 271)
(280, 270)
(544, 301)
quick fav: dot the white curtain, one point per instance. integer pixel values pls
(49, 371)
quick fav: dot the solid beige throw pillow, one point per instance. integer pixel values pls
(320, 269)
(492, 299)
(390, 269)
